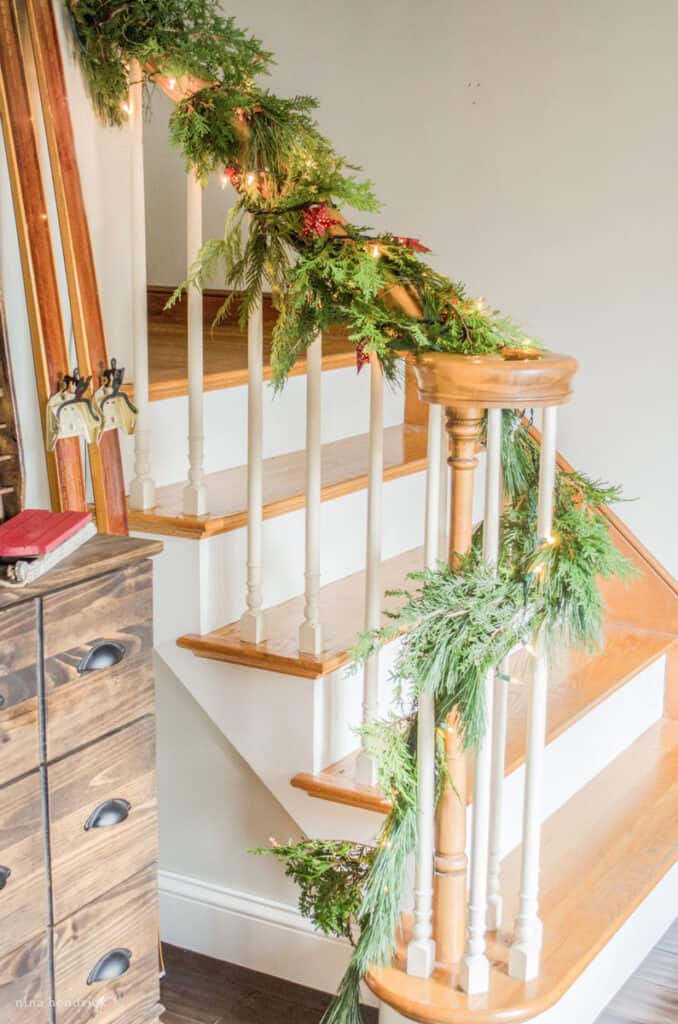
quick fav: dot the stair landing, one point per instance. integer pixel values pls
(225, 346)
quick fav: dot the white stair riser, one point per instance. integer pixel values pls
(582, 751)
(213, 571)
(345, 412)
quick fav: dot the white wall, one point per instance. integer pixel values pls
(533, 146)
(213, 808)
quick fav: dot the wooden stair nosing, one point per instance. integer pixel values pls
(336, 782)
(407, 445)
(342, 600)
(603, 853)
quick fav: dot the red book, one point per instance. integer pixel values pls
(35, 531)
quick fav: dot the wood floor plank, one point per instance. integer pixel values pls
(650, 996)
(602, 854)
(344, 471)
(201, 990)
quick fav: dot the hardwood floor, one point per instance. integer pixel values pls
(199, 990)
(650, 996)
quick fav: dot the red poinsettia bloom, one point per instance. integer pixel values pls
(317, 220)
(361, 356)
(412, 243)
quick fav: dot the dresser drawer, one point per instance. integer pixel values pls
(24, 984)
(103, 816)
(19, 744)
(23, 883)
(106, 956)
(98, 650)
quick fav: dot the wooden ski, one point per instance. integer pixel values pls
(50, 353)
(88, 327)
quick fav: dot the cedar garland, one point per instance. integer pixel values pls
(325, 271)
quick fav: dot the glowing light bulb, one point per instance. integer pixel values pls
(251, 177)
(172, 83)
(376, 252)
(552, 540)
(223, 180)
(126, 107)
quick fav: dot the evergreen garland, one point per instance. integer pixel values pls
(327, 272)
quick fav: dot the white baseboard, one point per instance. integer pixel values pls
(258, 933)
(585, 1000)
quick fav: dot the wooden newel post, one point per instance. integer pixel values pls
(451, 862)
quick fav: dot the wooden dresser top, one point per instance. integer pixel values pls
(97, 556)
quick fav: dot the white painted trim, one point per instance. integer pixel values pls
(253, 931)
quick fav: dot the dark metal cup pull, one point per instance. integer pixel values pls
(109, 813)
(4, 875)
(102, 654)
(112, 965)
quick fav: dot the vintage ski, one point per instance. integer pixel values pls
(50, 353)
(88, 327)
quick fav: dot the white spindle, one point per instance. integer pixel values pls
(494, 897)
(311, 630)
(445, 476)
(421, 950)
(475, 966)
(525, 953)
(252, 622)
(366, 771)
(141, 488)
(195, 491)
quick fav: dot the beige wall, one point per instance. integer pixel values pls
(533, 146)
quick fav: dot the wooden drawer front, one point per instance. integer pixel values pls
(103, 816)
(19, 744)
(96, 616)
(23, 892)
(116, 935)
(24, 984)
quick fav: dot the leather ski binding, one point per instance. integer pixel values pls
(114, 406)
(70, 413)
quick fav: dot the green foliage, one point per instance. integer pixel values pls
(331, 876)
(456, 625)
(175, 37)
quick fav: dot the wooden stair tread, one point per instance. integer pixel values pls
(578, 682)
(344, 470)
(602, 854)
(341, 610)
(225, 347)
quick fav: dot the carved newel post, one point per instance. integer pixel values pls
(463, 428)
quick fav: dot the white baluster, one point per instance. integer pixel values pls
(475, 966)
(311, 630)
(142, 487)
(366, 769)
(195, 491)
(445, 478)
(252, 622)
(421, 950)
(525, 953)
(494, 897)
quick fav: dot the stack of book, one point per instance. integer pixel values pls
(36, 540)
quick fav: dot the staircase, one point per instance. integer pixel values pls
(609, 884)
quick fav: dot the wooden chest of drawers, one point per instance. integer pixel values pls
(78, 815)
